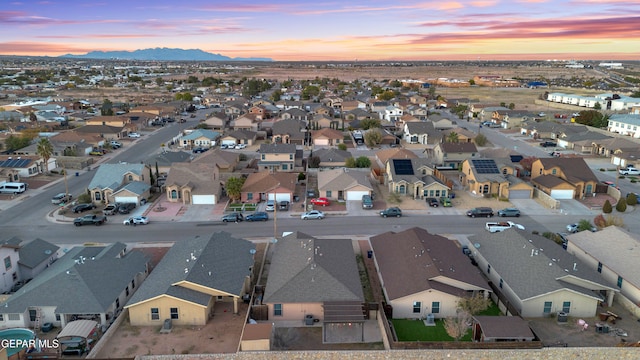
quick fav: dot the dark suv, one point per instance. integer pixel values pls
(433, 202)
(480, 211)
(126, 208)
(391, 212)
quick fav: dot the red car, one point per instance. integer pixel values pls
(320, 201)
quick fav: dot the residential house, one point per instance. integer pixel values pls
(386, 137)
(88, 281)
(391, 113)
(625, 158)
(384, 155)
(562, 283)
(419, 100)
(422, 132)
(453, 154)
(323, 111)
(613, 253)
(163, 161)
(104, 131)
(406, 118)
(320, 121)
(332, 157)
(72, 143)
(625, 124)
(27, 165)
(249, 122)
(191, 278)
(313, 278)
(463, 134)
(289, 131)
(9, 175)
(232, 111)
(511, 119)
(259, 111)
(263, 186)
(114, 121)
(424, 274)
(245, 137)
(441, 123)
(225, 161)
(9, 252)
(199, 138)
(123, 183)
(418, 112)
(327, 137)
(613, 146)
(34, 257)
(582, 142)
(414, 178)
(216, 121)
(277, 157)
(564, 177)
(344, 184)
(494, 177)
(295, 114)
(195, 183)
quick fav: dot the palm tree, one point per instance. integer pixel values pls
(452, 137)
(45, 150)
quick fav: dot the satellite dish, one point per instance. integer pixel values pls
(252, 251)
(476, 245)
(47, 252)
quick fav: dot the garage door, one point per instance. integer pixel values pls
(204, 199)
(356, 195)
(321, 142)
(519, 194)
(562, 194)
(228, 142)
(281, 197)
(126, 199)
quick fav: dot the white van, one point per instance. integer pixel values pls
(13, 188)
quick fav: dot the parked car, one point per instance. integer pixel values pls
(311, 193)
(313, 214)
(90, 220)
(241, 146)
(111, 209)
(480, 211)
(548, 144)
(61, 198)
(445, 201)
(574, 228)
(223, 146)
(134, 135)
(433, 202)
(233, 217)
(320, 201)
(611, 183)
(391, 212)
(283, 206)
(512, 212)
(96, 153)
(136, 220)
(126, 208)
(199, 150)
(367, 202)
(271, 206)
(257, 216)
(82, 208)
(629, 171)
(115, 144)
(502, 226)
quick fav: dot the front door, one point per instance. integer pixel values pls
(340, 195)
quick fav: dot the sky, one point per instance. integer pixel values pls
(330, 30)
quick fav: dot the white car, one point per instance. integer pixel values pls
(134, 135)
(629, 171)
(241, 146)
(136, 220)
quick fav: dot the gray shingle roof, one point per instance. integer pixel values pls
(220, 262)
(515, 256)
(110, 176)
(168, 158)
(305, 269)
(332, 155)
(86, 280)
(136, 187)
(277, 148)
(35, 252)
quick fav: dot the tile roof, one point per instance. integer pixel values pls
(414, 260)
(218, 262)
(111, 176)
(86, 280)
(515, 255)
(395, 153)
(277, 148)
(574, 168)
(221, 158)
(265, 181)
(136, 187)
(343, 179)
(35, 252)
(459, 147)
(198, 133)
(309, 270)
(332, 155)
(199, 176)
(168, 157)
(327, 133)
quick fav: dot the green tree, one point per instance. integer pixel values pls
(481, 140)
(16, 142)
(597, 106)
(152, 179)
(276, 95)
(370, 123)
(233, 187)
(159, 81)
(512, 106)
(632, 199)
(607, 208)
(107, 108)
(432, 91)
(314, 162)
(342, 146)
(387, 95)
(45, 150)
(372, 138)
(621, 206)
(452, 137)
(310, 92)
(584, 225)
(362, 162)
(350, 162)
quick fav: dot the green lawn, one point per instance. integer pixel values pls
(493, 310)
(414, 330)
(242, 207)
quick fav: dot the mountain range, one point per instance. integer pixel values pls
(161, 54)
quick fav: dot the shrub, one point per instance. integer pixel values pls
(342, 146)
(621, 206)
(602, 169)
(632, 199)
(634, 181)
(607, 208)
(621, 177)
(535, 232)
(84, 199)
(600, 221)
(301, 176)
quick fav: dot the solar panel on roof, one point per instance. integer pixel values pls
(485, 166)
(403, 166)
(15, 163)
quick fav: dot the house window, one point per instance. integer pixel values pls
(547, 307)
(117, 303)
(435, 307)
(504, 171)
(437, 193)
(501, 282)
(155, 314)
(1, 317)
(600, 267)
(620, 281)
(57, 317)
(540, 172)
(174, 194)
(290, 156)
(329, 193)
(126, 291)
(13, 317)
(553, 171)
(249, 196)
(32, 314)
(284, 166)
(488, 268)
(7, 263)
(277, 309)
(424, 171)
(566, 307)
(401, 189)
(14, 276)
(417, 307)
(174, 313)
(98, 196)
(133, 284)
(262, 156)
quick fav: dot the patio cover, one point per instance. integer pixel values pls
(343, 312)
(78, 328)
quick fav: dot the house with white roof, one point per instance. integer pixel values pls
(625, 124)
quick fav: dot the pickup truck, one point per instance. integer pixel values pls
(90, 220)
(629, 171)
(502, 226)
